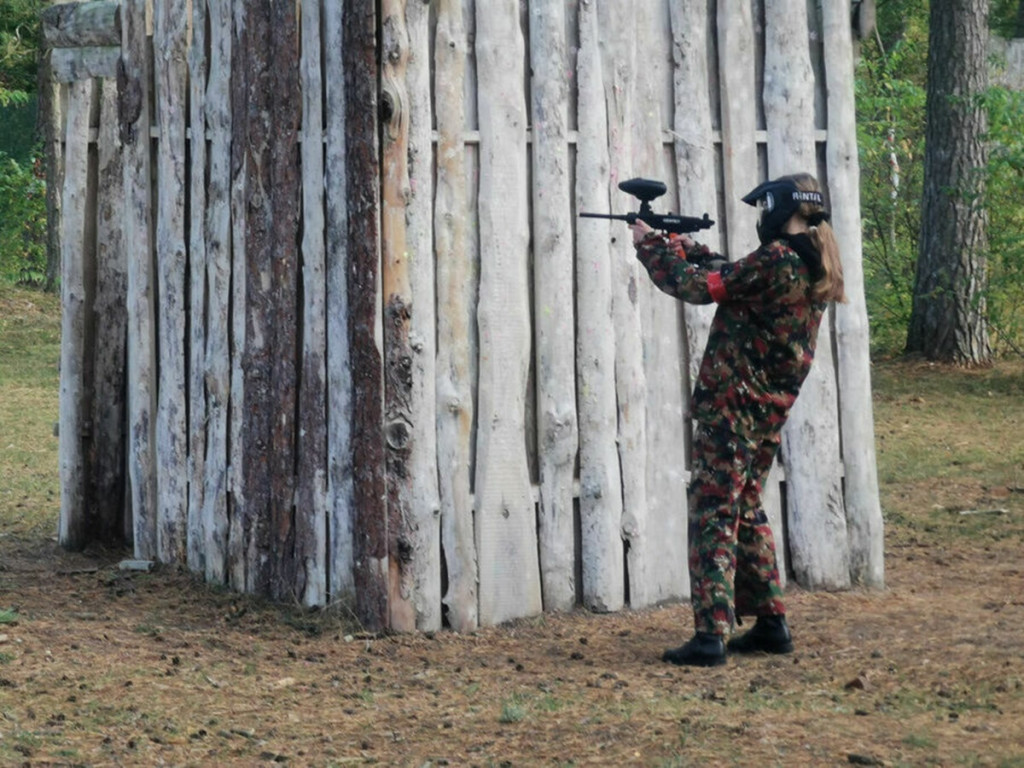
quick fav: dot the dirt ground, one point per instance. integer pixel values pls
(104, 667)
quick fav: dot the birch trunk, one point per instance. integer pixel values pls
(600, 479)
(863, 509)
(134, 120)
(340, 535)
(218, 237)
(172, 409)
(74, 515)
(810, 449)
(361, 162)
(456, 284)
(107, 481)
(557, 434)
(506, 536)
(197, 321)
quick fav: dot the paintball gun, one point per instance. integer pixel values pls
(646, 190)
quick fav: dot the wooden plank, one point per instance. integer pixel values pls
(76, 25)
(657, 572)
(456, 286)
(399, 415)
(70, 64)
(171, 260)
(340, 416)
(505, 532)
(216, 228)
(311, 479)
(863, 508)
(600, 482)
(74, 514)
(425, 530)
(239, 523)
(816, 522)
(134, 120)
(109, 315)
(557, 431)
(618, 30)
(363, 182)
(740, 174)
(195, 536)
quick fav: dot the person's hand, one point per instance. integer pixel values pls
(641, 229)
(686, 241)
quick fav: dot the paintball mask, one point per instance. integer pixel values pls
(778, 200)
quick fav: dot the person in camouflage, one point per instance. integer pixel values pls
(758, 353)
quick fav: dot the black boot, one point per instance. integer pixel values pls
(703, 650)
(769, 634)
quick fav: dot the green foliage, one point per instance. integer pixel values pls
(890, 86)
(1005, 292)
(890, 92)
(22, 223)
(19, 43)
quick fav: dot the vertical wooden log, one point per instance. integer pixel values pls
(399, 416)
(425, 529)
(456, 285)
(197, 292)
(737, 83)
(285, 197)
(106, 461)
(363, 180)
(311, 470)
(217, 235)
(134, 120)
(171, 426)
(657, 571)
(74, 515)
(617, 25)
(340, 415)
(557, 432)
(506, 535)
(600, 481)
(238, 514)
(810, 449)
(863, 510)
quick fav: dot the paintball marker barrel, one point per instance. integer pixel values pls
(646, 190)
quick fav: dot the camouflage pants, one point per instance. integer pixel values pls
(732, 553)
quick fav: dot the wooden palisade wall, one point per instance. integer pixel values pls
(333, 331)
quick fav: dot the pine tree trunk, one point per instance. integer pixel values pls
(948, 317)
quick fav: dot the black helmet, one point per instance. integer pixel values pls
(779, 199)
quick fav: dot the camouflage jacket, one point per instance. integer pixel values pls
(763, 335)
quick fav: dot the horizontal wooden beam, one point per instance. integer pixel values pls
(77, 25)
(70, 64)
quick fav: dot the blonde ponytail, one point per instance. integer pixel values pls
(829, 287)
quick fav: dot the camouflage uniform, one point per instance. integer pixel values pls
(758, 354)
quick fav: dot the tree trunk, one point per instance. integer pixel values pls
(947, 321)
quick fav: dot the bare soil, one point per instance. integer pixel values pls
(101, 667)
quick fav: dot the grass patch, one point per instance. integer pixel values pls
(29, 357)
(8, 616)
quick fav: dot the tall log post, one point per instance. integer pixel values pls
(505, 517)
(557, 432)
(810, 448)
(456, 287)
(600, 479)
(134, 120)
(361, 162)
(863, 509)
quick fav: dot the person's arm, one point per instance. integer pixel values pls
(677, 265)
